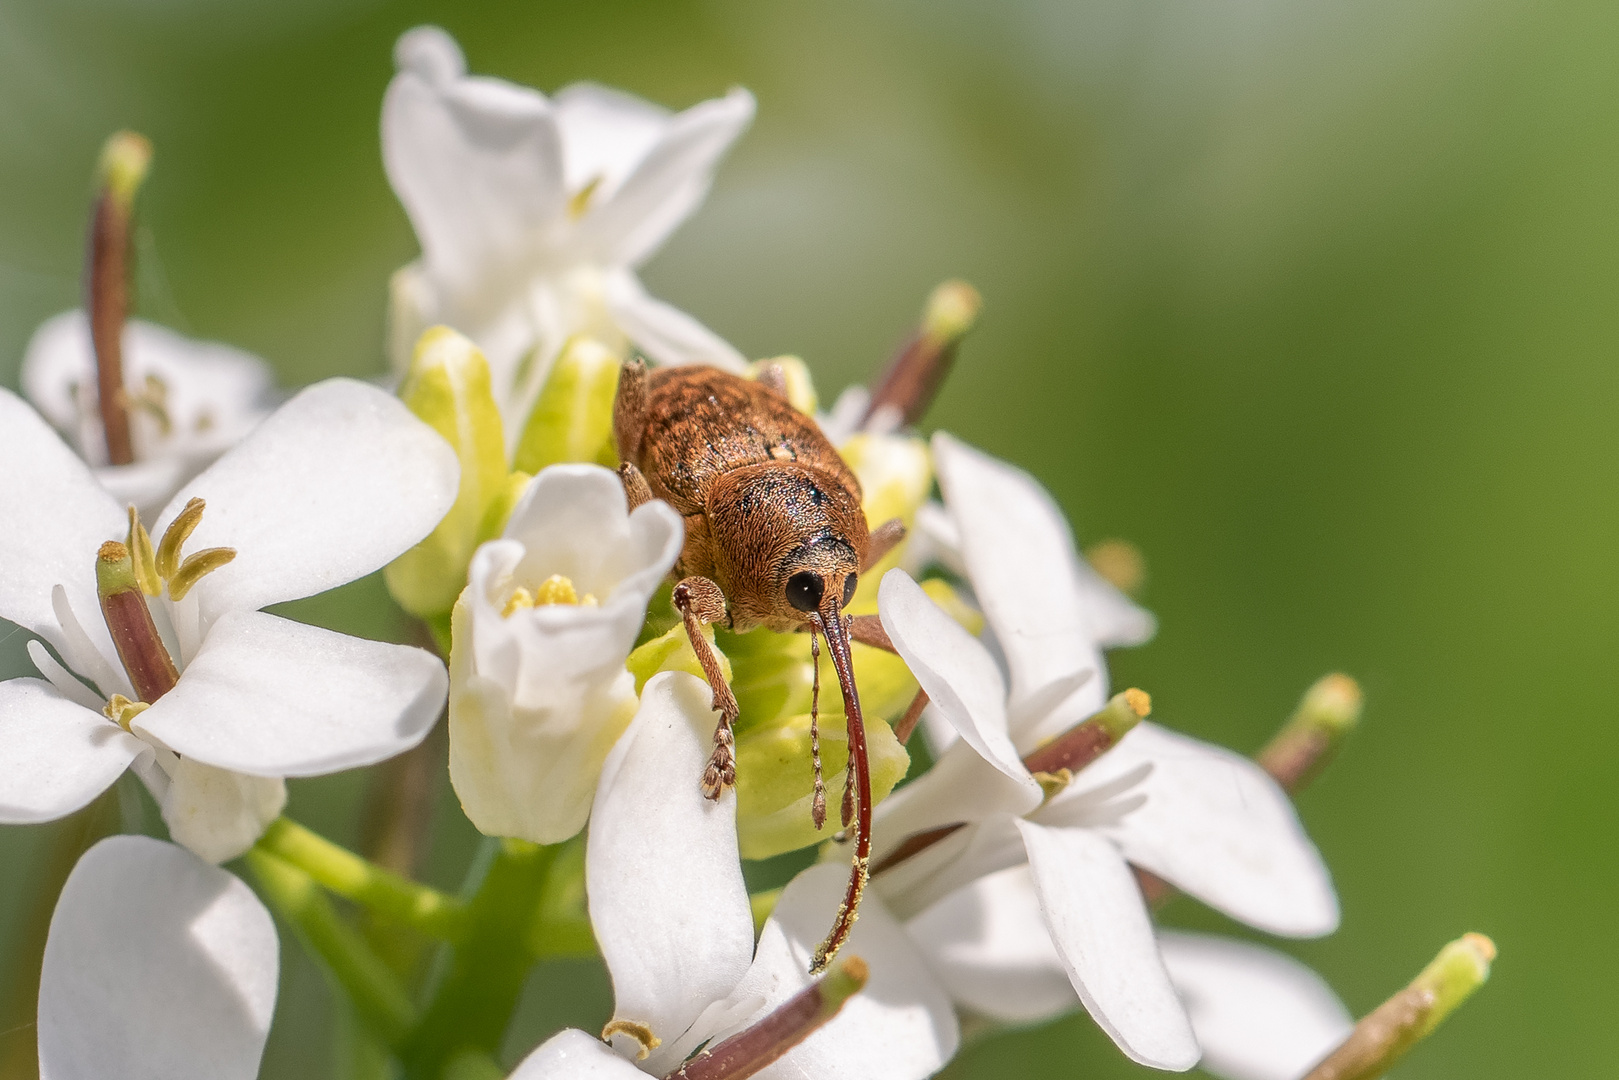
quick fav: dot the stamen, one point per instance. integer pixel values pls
(555, 589)
(175, 536)
(818, 803)
(520, 600)
(579, 202)
(1053, 783)
(121, 711)
(154, 401)
(140, 552)
(1120, 563)
(150, 667)
(197, 566)
(636, 1030)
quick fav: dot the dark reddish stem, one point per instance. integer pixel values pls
(913, 715)
(107, 284)
(837, 645)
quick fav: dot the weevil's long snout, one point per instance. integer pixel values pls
(831, 623)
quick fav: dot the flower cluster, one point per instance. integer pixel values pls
(983, 827)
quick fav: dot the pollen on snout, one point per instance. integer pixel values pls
(556, 589)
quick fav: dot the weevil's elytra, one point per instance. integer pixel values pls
(775, 538)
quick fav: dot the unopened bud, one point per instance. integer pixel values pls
(1388, 1033)
(448, 387)
(1329, 710)
(572, 418)
(919, 368)
(125, 159)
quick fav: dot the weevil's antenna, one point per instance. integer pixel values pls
(818, 804)
(831, 623)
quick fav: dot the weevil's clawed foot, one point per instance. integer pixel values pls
(720, 773)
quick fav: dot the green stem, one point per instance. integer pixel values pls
(382, 891)
(473, 1004)
(376, 993)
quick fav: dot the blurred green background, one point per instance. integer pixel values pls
(1314, 302)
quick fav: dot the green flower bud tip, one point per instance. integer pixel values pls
(115, 570)
(842, 983)
(952, 311)
(572, 418)
(1460, 968)
(125, 159)
(1332, 705)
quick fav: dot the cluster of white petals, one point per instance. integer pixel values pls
(1035, 888)
(336, 483)
(672, 918)
(190, 402)
(539, 692)
(533, 213)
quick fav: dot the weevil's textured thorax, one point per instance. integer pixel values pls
(763, 492)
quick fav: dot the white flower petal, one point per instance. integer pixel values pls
(55, 755)
(336, 483)
(1259, 1015)
(960, 858)
(476, 162)
(216, 813)
(662, 870)
(669, 182)
(57, 517)
(272, 697)
(1048, 608)
(571, 1054)
(989, 945)
(65, 682)
(1217, 827)
(158, 967)
(606, 133)
(663, 332)
(961, 786)
(1094, 911)
(899, 1027)
(957, 672)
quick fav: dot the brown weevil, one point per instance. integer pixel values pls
(775, 538)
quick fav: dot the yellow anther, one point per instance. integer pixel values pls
(1120, 562)
(122, 711)
(641, 1033)
(196, 567)
(140, 552)
(580, 200)
(520, 600)
(555, 589)
(1052, 783)
(174, 537)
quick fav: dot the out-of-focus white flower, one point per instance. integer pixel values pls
(671, 915)
(1206, 820)
(157, 965)
(534, 212)
(189, 402)
(333, 485)
(539, 691)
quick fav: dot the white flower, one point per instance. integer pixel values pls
(157, 965)
(1257, 1014)
(190, 402)
(534, 212)
(332, 486)
(1208, 821)
(539, 692)
(672, 918)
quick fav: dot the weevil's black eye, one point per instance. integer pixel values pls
(848, 588)
(804, 591)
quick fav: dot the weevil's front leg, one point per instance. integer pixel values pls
(700, 601)
(884, 538)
